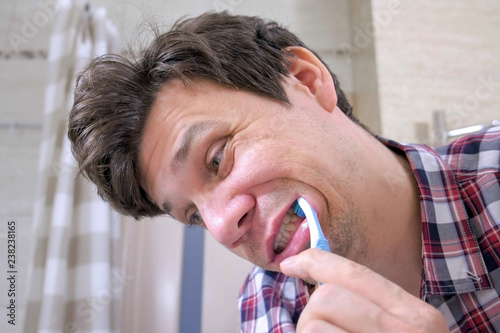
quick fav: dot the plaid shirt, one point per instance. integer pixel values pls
(460, 205)
(271, 302)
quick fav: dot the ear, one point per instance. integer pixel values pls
(313, 75)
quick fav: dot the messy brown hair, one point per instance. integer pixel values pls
(114, 95)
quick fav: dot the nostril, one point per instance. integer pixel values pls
(241, 220)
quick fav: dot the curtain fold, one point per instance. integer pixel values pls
(76, 279)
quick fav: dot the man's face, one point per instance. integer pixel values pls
(235, 163)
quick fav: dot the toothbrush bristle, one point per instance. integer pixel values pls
(299, 210)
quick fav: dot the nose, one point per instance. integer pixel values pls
(227, 220)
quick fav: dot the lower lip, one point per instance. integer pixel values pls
(297, 244)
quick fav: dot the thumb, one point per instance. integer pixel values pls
(301, 265)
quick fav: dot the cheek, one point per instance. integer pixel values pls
(263, 159)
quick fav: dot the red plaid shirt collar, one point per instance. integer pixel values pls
(460, 202)
(452, 259)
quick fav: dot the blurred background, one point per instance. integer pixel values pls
(413, 70)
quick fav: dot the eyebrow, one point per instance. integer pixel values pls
(190, 135)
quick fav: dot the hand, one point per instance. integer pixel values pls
(353, 298)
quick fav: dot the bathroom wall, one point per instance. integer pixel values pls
(360, 55)
(436, 55)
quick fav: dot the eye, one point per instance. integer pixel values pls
(216, 160)
(215, 155)
(195, 219)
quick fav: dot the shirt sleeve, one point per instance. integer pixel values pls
(271, 302)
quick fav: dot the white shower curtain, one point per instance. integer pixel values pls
(75, 281)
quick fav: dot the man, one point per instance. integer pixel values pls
(224, 121)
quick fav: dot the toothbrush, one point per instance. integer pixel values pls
(318, 240)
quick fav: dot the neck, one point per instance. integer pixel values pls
(396, 238)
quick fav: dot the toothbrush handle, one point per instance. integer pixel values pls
(323, 244)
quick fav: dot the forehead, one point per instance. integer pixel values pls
(175, 107)
(176, 101)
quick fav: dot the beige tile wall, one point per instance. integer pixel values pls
(360, 53)
(437, 55)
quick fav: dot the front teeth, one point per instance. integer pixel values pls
(286, 230)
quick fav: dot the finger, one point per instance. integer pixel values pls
(326, 267)
(342, 308)
(319, 326)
